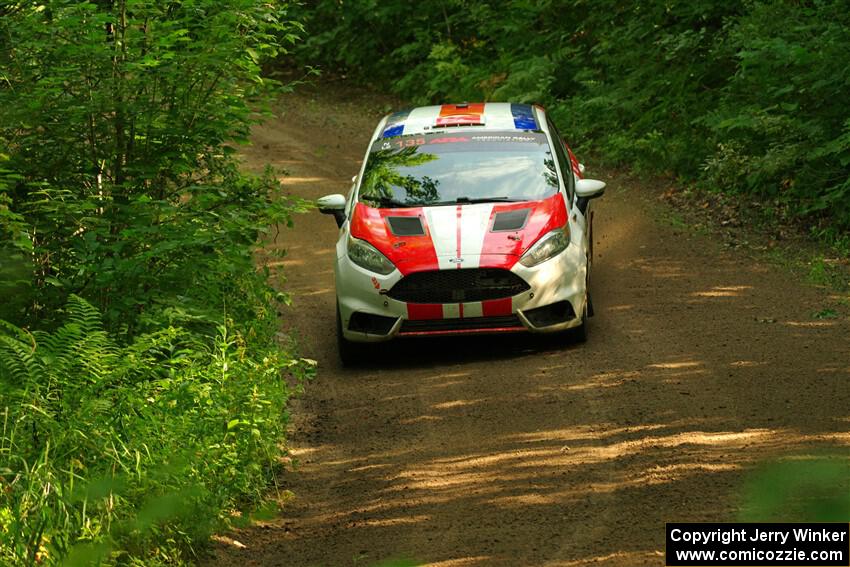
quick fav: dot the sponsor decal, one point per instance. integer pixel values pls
(524, 117)
(395, 124)
(459, 114)
(506, 138)
(418, 140)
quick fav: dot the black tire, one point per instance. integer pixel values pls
(350, 353)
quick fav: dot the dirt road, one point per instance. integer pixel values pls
(521, 451)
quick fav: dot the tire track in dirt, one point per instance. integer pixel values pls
(520, 450)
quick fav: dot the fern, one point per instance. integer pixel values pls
(18, 364)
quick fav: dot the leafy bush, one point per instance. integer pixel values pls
(747, 97)
(148, 405)
(119, 122)
(120, 451)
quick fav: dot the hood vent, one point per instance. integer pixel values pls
(510, 220)
(406, 226)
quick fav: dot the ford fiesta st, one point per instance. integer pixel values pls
(464, 218)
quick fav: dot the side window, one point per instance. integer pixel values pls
(564, 163)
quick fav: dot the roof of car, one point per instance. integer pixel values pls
(479, 115)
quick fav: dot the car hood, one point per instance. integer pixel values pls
(483, 235)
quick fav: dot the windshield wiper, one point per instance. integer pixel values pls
(389, 202)
(488, 200)
(386, 202)
(474, 200)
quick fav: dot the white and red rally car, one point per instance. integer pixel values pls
(464, 218)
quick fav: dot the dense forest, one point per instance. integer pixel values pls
(748, 97)
(142, 383)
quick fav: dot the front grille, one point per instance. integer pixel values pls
(458, 286)
(472, 324)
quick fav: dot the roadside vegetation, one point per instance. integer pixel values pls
(745, 98)
(142, 384)
(143, 381)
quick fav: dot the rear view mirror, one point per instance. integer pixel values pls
(590, 188)
(587, 189)
(333, 205)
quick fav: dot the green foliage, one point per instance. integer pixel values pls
(803, 490)
(130, 449)
(744, 96)
(119, 122)
(142, 389)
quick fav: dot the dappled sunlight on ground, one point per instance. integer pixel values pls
(810, 324)
(746, 364)
(461, 562)
(285, 263)
(323, 291)
(457, 403)
(301, 180)
(660, 267)
(674, 365)
(723, 291)
(636, 558)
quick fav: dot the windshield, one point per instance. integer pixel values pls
(435, 169)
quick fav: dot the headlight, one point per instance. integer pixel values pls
(367, 256)
(552, 244)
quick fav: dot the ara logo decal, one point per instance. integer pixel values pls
(386, 146)
(375, 283)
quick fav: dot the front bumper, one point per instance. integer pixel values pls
(554, 302)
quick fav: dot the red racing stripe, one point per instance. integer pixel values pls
(420, 311)
(496, 307)
(574, 162)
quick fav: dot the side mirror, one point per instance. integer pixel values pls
(333, 205)
(590, 188)
(587, 189)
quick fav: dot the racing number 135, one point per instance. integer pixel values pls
(410, 142)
